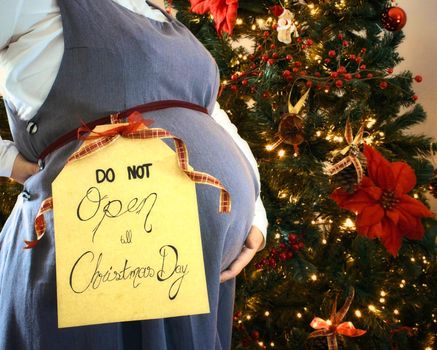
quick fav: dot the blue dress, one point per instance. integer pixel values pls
(114, 60)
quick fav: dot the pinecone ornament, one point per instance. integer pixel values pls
(347, 178)
(320, 343)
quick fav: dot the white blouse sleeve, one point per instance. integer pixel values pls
(8, 153)
(220, 116)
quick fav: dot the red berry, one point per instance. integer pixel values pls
(297, 64)
(288, 57)
(273, 252)
(332, 53)
(345, 43)
(289, 255)
(251, 57)
(275, 55)
(265, 58)
(245, 82)
(286, 73)
(255, 335)
(260, 74)
(358, 59)
(317, 74)
(295, 69)
(292, 237)
(283, 256)
(363, 49)
(282, 245)
(299, 40)
(301, 245)
(348, 76)
(357, 76)
(334, 75)
(253, 66)
(370, 76)
(266, 94)
(259, 48)
(304, 47)
(253, 89)
(303, 73)
(309, 83)
(272, 263)
(234, 76)
(271, 61)
(327, 60)
(234, 87)
(363, 67)
(274, 26)
(273, 46)
(295, 246)
(383, 85)
(341, 69)
(414, 97)
(352, 57)
(266, 34)
(418, 78)
(340, 36)
(339, 83)
(390, 70)
(309, 42)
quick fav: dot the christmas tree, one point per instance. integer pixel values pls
(311, 87)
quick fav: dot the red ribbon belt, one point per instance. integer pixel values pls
(137, 128)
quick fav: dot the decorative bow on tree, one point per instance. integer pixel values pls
(352, 150)
(332, 327)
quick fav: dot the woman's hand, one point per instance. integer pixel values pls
(23, 169)
(252, 244)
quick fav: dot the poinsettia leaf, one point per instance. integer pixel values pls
(404, 177)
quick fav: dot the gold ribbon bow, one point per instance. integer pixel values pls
(352, 150)
(330, 328)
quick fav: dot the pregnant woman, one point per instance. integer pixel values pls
(66, 62)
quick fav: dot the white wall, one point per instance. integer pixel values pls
(420, 53)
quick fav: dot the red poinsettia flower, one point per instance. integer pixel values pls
(383, 208)
(223, 11)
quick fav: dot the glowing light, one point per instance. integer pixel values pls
(396, 311)
(358, 313)
(383, 294)
(428, 348)
(413, 260)
(267, 313)
(299, 315)
(372, 308)
(253, 27)
(370, 123)
(272, 344)
(269, 147)
(381, 134)
(260, 343)
(239, 21)
(416, 195)
(248, 317)
(281, 153)
(382, 300)
(324, 241)
(314, 277)
(277, 236)
(348, 224)
(318, 133)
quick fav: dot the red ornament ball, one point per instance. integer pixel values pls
(418, 78)
(383, 85)
(394, 18)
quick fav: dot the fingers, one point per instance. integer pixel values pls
(253, 242)
(23, 169)
(238, 264)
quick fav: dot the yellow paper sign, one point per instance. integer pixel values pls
(127, 236)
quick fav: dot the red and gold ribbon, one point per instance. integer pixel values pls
(330, 328)
(352, 151)
(136, 128)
